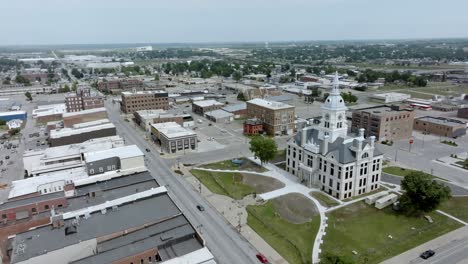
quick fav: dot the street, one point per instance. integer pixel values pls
(221, 238)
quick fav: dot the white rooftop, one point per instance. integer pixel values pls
(206, 103)
(45, 110)
(269, 104)
(173, 130)
(126, 93)
(121, 152)
(91, 123)
(12, 113)
(65, 132)
(219, 114)
(88, 111)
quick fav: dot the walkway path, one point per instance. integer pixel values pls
(292, 185)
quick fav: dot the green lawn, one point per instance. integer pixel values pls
(456, 206)
(324, 199)
(224, 183)
(293, 242)
(229, 165)
(365, 229)
(398, 171)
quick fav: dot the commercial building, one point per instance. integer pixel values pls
(83, 100)
(83, 116)
(117, 86)
(38, 162)
(201, 107)
(21, 89)
(7, 116)
(326, 157)
(173, 138)
(219, 116)
(120, 158)
(238, 110)
(440, 126)
(384, 122)
(253, 127)
(47, 113)
(145, 118)
(277, 118)
(463, 113)
(390, 97)
(144, 100)
(109, 232)
(81, 132)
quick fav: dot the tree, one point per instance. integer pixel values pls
(422, 193)
(349, 97)
(263, 148)
(2, 122)
(14, 131)
(240, 96)
(237, 76)
(74, 86)
(28, 96)
(156, 77)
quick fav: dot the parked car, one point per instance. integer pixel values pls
(200, 208)
(148, 150)
(262, 258)
(427, 254)
(7, 157)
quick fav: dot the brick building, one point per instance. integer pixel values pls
(384, 122)
(173, 138)
(72, 118)
(463, 113)
(81, 132)
(144, 100)
(201, 107)
(83, 100)
(253, 127)
(440, 126)
(277, 118)
(118, 86)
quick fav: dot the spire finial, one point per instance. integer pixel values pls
(336, 84)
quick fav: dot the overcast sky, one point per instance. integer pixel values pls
(163, 21)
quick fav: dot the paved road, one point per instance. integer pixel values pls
(222, 239)
(456, 190)
(451, 248)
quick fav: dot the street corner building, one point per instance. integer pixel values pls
(324, 156)
(278, 118)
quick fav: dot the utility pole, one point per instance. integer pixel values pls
(199, 186)
(396, 154)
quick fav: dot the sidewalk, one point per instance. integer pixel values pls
(440, 242)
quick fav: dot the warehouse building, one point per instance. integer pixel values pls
(7, 116)
(82, 132)
(219, 116)
(201, 107)
(94, 114)
(238, 110)
(389, 97)
(444, 127)
(144, 100)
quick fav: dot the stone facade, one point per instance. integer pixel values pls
(277, 118)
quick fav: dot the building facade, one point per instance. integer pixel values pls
(277, 118)
(444, 127)
(384, 122)
(174, 138)
(147, 100)
(253, 127)
(324, 156)
(463, 113)
(83, 100)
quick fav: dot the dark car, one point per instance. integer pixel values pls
(148, 150)
(262, 258)
(200, 208)
(7, 157)
(427, 254)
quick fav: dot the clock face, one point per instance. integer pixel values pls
(340, 117)
(327, 116)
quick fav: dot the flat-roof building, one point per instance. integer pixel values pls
(37, 162)
(47, 113)
(144, 100)
(110, 233)
(390, 97)
(7, 116)
(81, 132)
(238, 110)
(173, 137)
(201, 107)
(219, 116)
(440, 126)
(277, 118)
(83, 116)
(463, 112)
(384, 122)
(146, 117)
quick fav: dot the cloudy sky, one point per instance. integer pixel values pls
(158, 21)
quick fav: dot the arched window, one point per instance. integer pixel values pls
(365, 155)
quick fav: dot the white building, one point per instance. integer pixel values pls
(324, 156)
(390, 97)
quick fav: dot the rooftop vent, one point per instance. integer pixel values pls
(70, 230)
